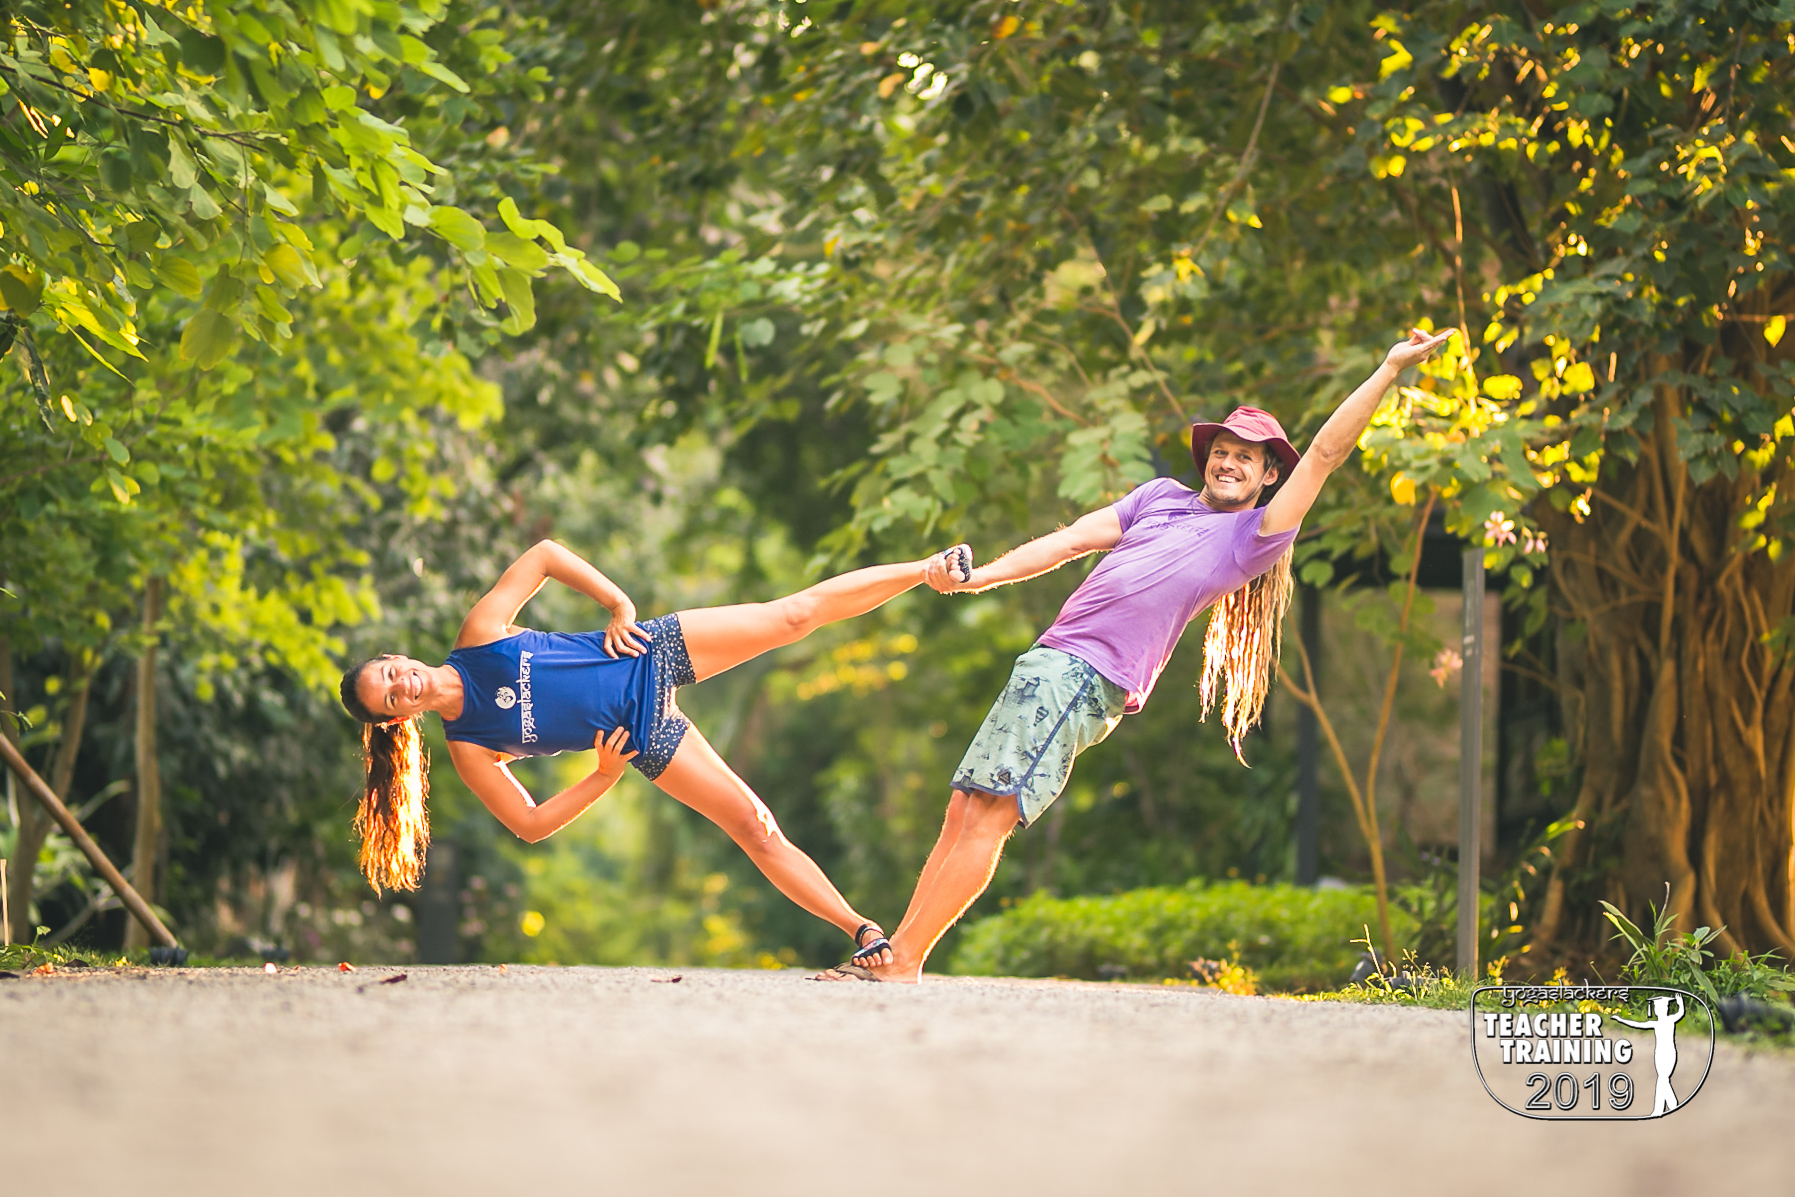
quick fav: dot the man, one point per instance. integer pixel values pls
(1176, 552)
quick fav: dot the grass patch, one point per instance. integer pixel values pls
(1424, 988)
(1288, 937)
(28, 958)
(25, 958)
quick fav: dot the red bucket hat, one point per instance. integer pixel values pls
(1249, 424)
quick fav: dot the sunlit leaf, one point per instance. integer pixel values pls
(208, 337)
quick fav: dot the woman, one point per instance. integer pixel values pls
(507, 692)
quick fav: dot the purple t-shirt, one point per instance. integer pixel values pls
(1177, 555)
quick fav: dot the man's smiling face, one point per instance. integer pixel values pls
(1235, 471)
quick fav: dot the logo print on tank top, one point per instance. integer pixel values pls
(523, 689)
(506, 698)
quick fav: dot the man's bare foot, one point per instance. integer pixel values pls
(894, 972)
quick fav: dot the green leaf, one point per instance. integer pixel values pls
(123, 486)
(116, 450)
(485, 278)
(141, 235)
(757, 332)
(180, 274)
(516, 252)
(438, 71)
(182, 170)
(710, 349)
(280, 203)
(362, 133)
(22, 289)
(516, 221)
(204, 206)
(115, 172)
(458, 228)
(387, 221)
(209, 336)
(289, 267)
(520, 299)
(308, 107)
(589, 276)
(530, 229)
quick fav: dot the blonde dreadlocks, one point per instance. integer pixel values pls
(1245, 636)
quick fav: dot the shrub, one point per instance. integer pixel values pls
(1293, 938)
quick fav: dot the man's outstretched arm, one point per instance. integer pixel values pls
(1092, 533)
(1334, 443)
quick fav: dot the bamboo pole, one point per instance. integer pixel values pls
(149, 774)
(65, 819)
(1470, 763)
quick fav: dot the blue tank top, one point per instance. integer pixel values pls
(539, 693)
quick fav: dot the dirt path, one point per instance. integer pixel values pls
(466, 1080)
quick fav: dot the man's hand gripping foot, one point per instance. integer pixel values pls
(950, 570)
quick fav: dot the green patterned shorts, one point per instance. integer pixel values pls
(1053, 708)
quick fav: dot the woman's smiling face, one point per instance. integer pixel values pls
(394, 687)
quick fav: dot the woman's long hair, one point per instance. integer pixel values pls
(391, 818)
(1246, 633)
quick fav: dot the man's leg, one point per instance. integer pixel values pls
(944, 844)
(961, 869)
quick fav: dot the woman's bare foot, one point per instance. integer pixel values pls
(950, 570)
(897, 971)
(871, 948)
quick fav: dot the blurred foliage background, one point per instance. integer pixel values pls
(312, 309)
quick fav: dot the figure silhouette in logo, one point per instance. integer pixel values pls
(1664, 1053)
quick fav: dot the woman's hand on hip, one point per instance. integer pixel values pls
(623, 634)
(611, 757)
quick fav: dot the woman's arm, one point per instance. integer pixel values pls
(491, 617)
(1093, 532)
(487, 775)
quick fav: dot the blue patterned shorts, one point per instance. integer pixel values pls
(672, 669)
(1053, 708)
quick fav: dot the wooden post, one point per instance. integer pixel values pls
(21, 812)
(1470, 762)
(6, 730)
(38, 788)
(149, 774)
(1308, 748)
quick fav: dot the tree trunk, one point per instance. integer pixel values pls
(1678, 707)
(35, 823)
(149, 774)
(14, 807)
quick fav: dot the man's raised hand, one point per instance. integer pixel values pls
(1418, 348)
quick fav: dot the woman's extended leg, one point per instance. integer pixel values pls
(702, 780)
(720, 638)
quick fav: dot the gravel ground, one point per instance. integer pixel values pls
(469, 1080)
